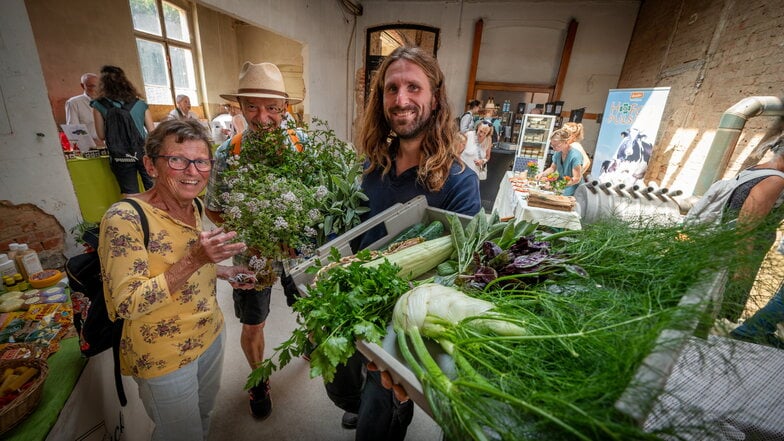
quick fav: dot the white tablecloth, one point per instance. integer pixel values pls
(509, 203)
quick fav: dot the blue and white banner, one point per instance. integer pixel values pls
(626, 138)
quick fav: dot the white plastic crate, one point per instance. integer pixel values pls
(395, 219)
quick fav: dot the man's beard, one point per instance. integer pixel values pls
(414, 128)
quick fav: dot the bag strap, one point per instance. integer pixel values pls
(118, 323)
(199, 206)
(747, 175)
(129, 105)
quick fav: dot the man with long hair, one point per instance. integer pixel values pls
(409, 140)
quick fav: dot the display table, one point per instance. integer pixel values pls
(509, 203)
(95, 186)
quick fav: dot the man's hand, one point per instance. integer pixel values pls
(386, 381)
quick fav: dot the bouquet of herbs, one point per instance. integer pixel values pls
(281, 198)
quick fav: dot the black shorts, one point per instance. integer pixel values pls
(251, 306)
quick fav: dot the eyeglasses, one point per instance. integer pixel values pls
(179, 163)
(275, 110)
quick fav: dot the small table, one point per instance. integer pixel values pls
(510, 203)
(95, 185)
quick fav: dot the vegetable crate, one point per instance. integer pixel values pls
(395, 219)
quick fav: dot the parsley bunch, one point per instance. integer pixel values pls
(348, 303)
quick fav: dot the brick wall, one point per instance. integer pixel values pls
(26, 223)
(712, 54)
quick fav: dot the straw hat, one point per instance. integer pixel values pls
(262, 80)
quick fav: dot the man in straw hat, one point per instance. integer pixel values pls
(263, 99)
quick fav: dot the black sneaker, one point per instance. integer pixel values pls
(349, 420)
(260, 401)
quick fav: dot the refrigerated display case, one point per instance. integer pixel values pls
(534, 139)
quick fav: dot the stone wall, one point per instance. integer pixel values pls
(26, 223)
(712, 54)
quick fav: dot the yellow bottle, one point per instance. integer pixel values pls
(21, 283)
(10, 284)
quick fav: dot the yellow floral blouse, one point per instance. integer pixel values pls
(163, 330)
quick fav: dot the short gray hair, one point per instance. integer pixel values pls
(186, 130)
(84, 77)
(181, 97)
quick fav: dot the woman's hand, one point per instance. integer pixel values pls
(216, 246)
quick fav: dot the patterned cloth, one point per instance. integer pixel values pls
(163, 330)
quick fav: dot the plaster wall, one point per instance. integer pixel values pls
(325, 34)
(521, 43)
(81, 37)
(33, 169)
(219, 51)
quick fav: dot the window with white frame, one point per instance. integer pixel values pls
(164, 43)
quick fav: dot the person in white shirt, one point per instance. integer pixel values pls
(182, 110)
(77, 108)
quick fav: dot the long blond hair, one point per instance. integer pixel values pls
(439, 145)
(570, 132)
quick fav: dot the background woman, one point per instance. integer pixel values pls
(173, 336)
(116, 90)
(484, 140)
(470, 153)
(575, 131)
(567, 161)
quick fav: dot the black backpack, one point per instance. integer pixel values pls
(96, 331)
(122, 136)
(459, 118)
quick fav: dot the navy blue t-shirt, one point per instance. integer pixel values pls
(459, 194)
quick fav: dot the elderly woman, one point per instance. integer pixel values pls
(173, 336)
(567, 160)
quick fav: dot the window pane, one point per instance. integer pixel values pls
(176, 23)
(156, 80)
(145, 16)
(183, 73)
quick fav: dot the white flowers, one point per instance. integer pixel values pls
(289, 197)
(281, 223)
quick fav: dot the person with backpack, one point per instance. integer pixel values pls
(122, 120)
(159, 270)
(467, 119)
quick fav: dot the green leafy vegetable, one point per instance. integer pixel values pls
(348, 303)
